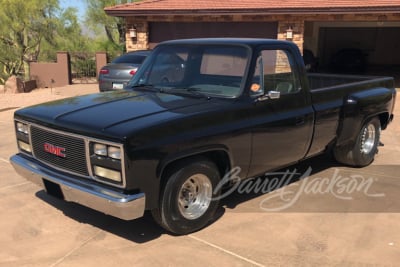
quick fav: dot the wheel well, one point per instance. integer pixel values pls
(219, 157)
(384, 119)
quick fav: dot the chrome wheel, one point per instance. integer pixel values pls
(195, 196)
(368, 139)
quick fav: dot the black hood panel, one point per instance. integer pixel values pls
(98, 112)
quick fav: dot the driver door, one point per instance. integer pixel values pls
(282, 116)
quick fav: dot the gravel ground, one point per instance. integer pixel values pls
(13, 101)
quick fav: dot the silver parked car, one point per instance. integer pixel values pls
(115, 75)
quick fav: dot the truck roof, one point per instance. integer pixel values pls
(236, 41)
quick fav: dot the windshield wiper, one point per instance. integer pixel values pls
(187, 90)
(147, 87)
(177, 90)
(142, 85)
(150, 87)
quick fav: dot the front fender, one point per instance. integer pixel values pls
(193, 152)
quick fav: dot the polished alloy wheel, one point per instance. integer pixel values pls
(368, 139)
(195, 196)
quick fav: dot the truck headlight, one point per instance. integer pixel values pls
(100, 149)
(107, 173)
(22, 132)
(22, 128)
(114, 152)
(107, 162)
(24, 146)
(104, 150)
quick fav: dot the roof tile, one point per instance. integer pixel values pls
(197, 5)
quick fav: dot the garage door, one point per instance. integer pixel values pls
(379, 45)
(162, 31)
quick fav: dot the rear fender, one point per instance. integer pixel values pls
(361, 107)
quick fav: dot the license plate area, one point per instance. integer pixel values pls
(118, 86)
(53, 189)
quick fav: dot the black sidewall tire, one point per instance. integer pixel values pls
(171, 217)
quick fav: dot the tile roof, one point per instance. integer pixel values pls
(154, 7)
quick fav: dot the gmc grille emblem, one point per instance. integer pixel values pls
(55, 150)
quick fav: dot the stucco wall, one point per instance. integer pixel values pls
(52, 74)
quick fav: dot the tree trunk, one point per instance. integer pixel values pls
(27, 70)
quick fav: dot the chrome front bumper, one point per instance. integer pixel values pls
(126, 207)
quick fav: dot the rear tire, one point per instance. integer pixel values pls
(188, 201)
(362, 153)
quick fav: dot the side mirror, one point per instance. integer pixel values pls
(270, 95)
(274, 94)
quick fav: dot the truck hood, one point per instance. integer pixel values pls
(97, 114)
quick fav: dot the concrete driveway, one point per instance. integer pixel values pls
(337, 216)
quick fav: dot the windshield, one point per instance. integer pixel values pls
(212, 70)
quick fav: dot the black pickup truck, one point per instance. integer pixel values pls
(195, 110)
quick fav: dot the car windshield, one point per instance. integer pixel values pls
(127, 58)
(206, 69)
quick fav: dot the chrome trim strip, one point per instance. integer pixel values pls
(87, 141)
(87, 155)
(123, 206)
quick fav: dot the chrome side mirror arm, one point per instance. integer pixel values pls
(270, 95)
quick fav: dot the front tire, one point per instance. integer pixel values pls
(363, 152)
(188, 201)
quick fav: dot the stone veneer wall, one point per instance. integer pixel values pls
(297, 23)
(141, 42)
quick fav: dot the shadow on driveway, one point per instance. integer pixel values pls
(329, 187)
(139, 231)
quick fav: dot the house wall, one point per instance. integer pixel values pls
(305, 27)
(142, 26)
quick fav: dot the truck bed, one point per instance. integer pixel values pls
(329, 93)
(318, 81)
